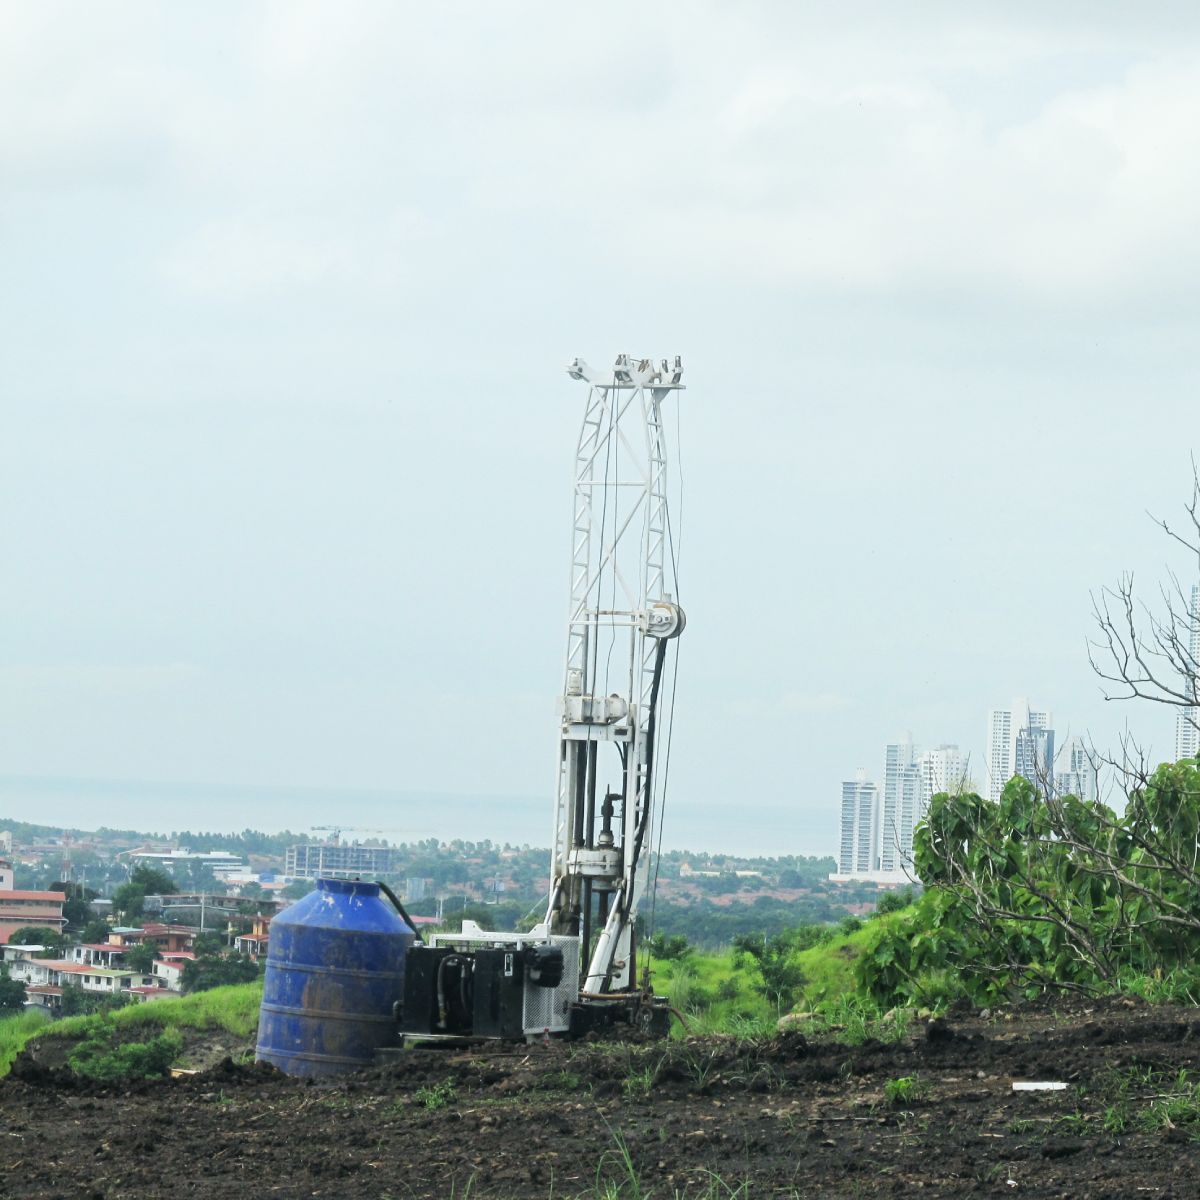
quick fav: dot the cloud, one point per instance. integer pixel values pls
(789, 705)
(772, 144)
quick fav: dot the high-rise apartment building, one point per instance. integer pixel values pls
(1020, 742)
(877, 823)
(901, 798)
(911, 780)
(1080, 775)
(944, 770)
(859, 850)
(1187, 722)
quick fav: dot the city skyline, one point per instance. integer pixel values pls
(877, 823)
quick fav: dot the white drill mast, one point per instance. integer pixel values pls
(622, 615)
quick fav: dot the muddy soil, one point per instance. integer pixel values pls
(794, 1116)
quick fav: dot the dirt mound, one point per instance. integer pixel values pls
(934, 1114)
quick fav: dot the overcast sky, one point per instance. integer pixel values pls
(286, 292)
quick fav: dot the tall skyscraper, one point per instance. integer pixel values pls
(877, 824)
(1020, 742)
(944, 769)
(1187, 722)
(911, 780)
(1080, 776)
(859, 850)
(901, 796)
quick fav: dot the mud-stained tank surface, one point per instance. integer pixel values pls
(335, 968)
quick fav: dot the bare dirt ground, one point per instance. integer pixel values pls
(702, 1118)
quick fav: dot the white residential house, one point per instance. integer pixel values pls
(46, 979)
(168, 971)
(98, 954)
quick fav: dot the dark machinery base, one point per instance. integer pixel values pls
(647, 1015)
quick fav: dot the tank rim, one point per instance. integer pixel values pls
(356, 887)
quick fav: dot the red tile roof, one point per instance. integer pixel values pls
(57, 897)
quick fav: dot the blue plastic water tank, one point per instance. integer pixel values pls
(335, 967)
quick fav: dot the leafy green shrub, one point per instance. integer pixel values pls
(218, 970)
(12, 993)
(102, 1060)
(780, 976)
(1033, 894)
(667, 948)
(76, 1002)
(891, 902)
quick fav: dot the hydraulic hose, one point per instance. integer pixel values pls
(651, 722)
(387, 891)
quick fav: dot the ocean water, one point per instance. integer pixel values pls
(165, 808)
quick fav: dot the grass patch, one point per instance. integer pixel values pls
(711, 993)
(233, 1009)
(906, 1090)
(15, 1031)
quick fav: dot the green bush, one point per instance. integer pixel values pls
(1033, 894)
(76, 1002)
(99, 1059)
(203, 974)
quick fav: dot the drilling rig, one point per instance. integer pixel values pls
(577, 969)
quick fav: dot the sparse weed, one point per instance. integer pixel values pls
(639, 1083)
(617, 1178)
(1074, 1123)
(1177, 1105)
(906, 1090)
(1150, 1099)
(565, 1081)
(700, 1065)
(438, 1096)
(748, 1027)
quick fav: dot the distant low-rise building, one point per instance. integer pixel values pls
(333, 860)
(220, 862)
(46, 979)
(22, 909)
(255, 942)
(164, 938)
(168, 972)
